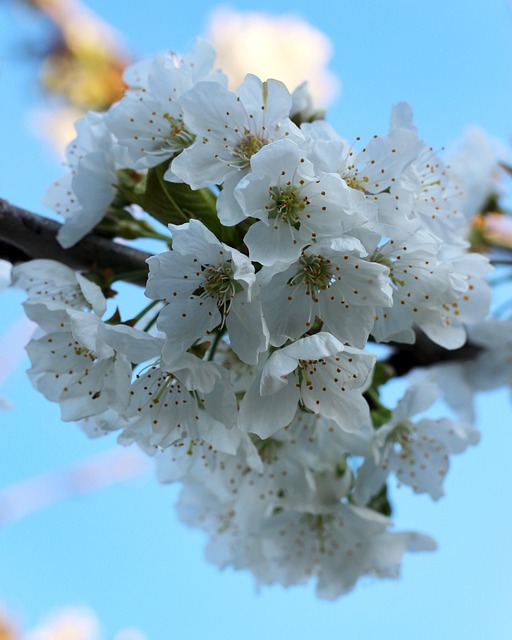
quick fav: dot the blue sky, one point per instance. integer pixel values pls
(121, 550)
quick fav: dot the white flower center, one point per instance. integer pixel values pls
(354, 181)
(220, 285)
(316, 274)
(247, 147)
(178, 132)
(400, 437)
(286, 205)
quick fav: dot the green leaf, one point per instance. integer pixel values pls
(177, 203)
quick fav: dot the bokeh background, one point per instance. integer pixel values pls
(84, 526)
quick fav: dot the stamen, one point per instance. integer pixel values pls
(401, 439)
(178, 133)
(316, 274)
(220, 285)
(286, 205)
(247, 147)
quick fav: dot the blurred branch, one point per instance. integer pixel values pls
(424, 353)
(26, 236)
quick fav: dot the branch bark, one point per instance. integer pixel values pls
(26, 236)
(424, 353)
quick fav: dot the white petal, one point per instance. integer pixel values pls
(264, 415)
(138, 346)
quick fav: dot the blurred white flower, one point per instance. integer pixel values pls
(4, 404)
(55, 125)
(129, 634)
(69, 623)
(474, 163)
(5, 274)
(284, 47)
(74, 623)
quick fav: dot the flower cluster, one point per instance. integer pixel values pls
(248, 373)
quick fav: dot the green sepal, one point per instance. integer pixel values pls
(119, 223)
(380, 502)
(380, 416)
(115, 318)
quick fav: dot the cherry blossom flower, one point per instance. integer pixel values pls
(84, 194)
(231, 128)
(317, 371)
(335, 545)
(246, 375)
(72, 364)
(206, 284)
(295, 207)
(193, 400)
(148, 122)
(330, 283)
(57, 286)
(417, 452)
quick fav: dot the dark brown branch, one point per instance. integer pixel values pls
(26, 236)
(424, 353)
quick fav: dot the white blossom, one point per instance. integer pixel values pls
(416, 451)
(317, 371)
(231, 128)
(84, 194)
(436, 288)
(336, 546)
(74, 366)
(148, 122)
(295, 206)
(57, 286)
(331, 283)
(245, 375)
(102, 424)
(206, 284)
(191, 400)
(474, 165)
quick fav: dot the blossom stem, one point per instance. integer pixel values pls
(152, 321)
(129, 275)
(140, 315)
(215, 344)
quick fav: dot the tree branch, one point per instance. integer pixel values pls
(26, 236)
(424, 353)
